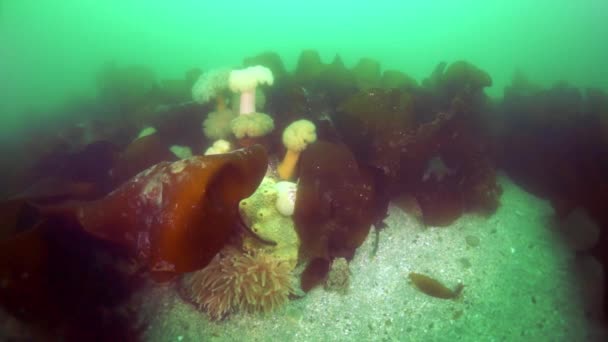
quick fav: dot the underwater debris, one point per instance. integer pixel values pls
(433, 287)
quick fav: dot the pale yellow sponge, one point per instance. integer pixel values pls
(259, 212)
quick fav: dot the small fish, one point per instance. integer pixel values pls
(434, 288)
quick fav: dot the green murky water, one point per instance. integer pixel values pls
(51, 49)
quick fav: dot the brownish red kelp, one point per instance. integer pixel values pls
(171, 218)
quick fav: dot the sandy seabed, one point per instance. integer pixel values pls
(523, 281)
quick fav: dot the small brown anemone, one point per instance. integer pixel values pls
(235, 280)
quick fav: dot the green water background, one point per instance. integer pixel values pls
(53, 48)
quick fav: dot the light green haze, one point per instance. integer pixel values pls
(53, 48)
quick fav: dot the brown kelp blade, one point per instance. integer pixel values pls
(174, 216)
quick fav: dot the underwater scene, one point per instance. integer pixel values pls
(303, 171)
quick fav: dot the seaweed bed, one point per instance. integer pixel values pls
(102, 228)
